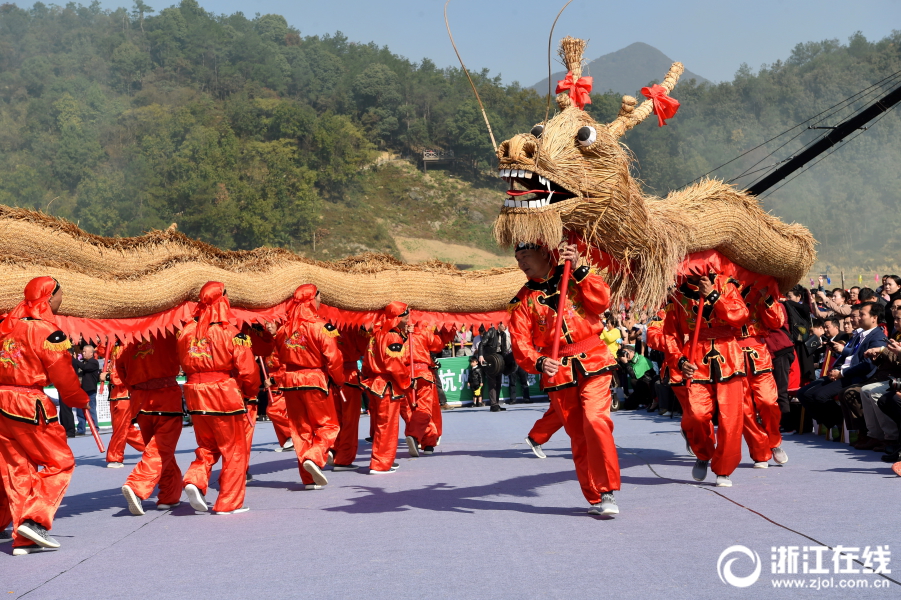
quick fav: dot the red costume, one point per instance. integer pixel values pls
(149, 368)
(34, 354)
(263, 347)
(123, 413)
(387, 364)
(717, 384)
(422, 397)
(352, 344)
(761, 394)
(221, 372)
(580, 391)
(545, 427)
(308, 351)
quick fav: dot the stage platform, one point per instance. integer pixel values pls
(482, 518)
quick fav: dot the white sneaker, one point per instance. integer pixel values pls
(668, 413)
(312, 486)
(761, 465)
(723, 481)
(232, 512)
(536, 448)
(393, 468)
(330, 460)
(168, 506)
(413, 446)
(779, 455)
(289, 445)
(313, 469)
(195, 498)
(114, 465)
(134, 503)
(350, 467)
(23, 550)
(438, 443)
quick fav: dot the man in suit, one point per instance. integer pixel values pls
(492, 343)
(852, 367)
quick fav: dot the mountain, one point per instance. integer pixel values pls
(625, 71)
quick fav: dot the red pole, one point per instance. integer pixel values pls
(265, 378)
(695, 334)
(412, 380)
(561, 306)
(87, 417)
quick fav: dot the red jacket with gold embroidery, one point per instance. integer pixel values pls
(534, 314)
(764, 314)
(353, 343)
(32, 356)
(717, 355)
(671, 349)
(425, 340)
(151, 365)
(309, 356)
(220, 368)
(387, 364)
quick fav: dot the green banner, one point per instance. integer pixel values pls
(454, 374)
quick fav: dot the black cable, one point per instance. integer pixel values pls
(850, 98)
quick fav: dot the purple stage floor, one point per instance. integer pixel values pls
(482, 518)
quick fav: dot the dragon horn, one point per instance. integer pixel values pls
(629, 116)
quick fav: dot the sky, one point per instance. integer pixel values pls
(711, 37)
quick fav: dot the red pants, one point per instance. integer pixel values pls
(250, 421)
(158, 465)
(314, 426)
(225, 437)
(585, 411)
(348, 440)
(420, 425)
(33, 494)
(123, 414)
(6, 517)
(761, 397)
(278, 414)
(549, 424)
(437, 417)
(385, 415)
(724, 450)
(406, 413)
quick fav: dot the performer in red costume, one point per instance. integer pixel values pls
(542, 431)
(352, 343)
(123, 412)
(387, 364)
(221, 372)
(579, 382)
(262, 339)
(308, 351)
(34, 354)
(422, 397)
(670, 373)
(149, 368)
(761, 395)
(715, 370)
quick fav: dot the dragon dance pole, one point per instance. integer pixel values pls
(87, 417)
(695, 334)
(265, 378)
(561, 306)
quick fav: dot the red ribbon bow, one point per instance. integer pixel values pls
(664, 106)
(579, 90)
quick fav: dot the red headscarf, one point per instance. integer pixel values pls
(301, 308)
(36, 304)
(391, 316)
(213, 307)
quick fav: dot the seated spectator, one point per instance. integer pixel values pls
(881, 433)
(836, 303)
(891, 292)
(852, 367)
(641, 376)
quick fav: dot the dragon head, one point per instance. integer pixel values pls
(572, 173)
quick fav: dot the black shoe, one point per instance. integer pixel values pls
(369, 439)
(70, 435)
(428, 450)
(892, 458)
(527, 400)
(511, 401)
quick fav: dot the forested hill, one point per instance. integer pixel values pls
(246, 132)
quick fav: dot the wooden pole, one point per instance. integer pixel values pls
(694, 334)
(561, 306)
(90, 420)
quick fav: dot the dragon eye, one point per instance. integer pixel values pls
(586, 136)
(537, 130)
